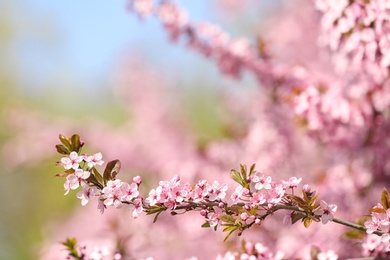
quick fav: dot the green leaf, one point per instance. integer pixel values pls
(156, 217)
(231, 232)
(385, 199)
(229, 227)
(227, 218)
(154, 209)
(70, 242)
(97, 174)
(62, 149)
(112, 169)
(206, 225)
(65, 141)
(243, 171)
(235, 175)
(75, 141)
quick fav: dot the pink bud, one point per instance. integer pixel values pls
(247, 207)
(203, 213)
(258, 221)
(306, 188)
(244, 216)
(221, 205)
(137, 180)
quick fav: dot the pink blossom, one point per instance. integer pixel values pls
(138, 207)
(113, 193)
(291, 183)
(326, 211)
(258, 199)
(236, 195)
(213, 219)
(217, 191)
(275, 194)
(72, 162)
(137, 179)
(93, 160)
(129, 191)
(86, 194)
(244, 216)
(74, 180)
(261, 181)
(154, 196)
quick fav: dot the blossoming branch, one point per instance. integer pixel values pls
(256, 197)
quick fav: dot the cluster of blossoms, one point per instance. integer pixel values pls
(80, 171)
(359, 32)
(256, 197)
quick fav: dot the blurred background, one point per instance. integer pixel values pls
(59, 65)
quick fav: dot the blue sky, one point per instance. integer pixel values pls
(80, 41)
(90, 35)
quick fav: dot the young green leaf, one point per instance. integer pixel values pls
(75, 142)
(65, 141)
(62, 149)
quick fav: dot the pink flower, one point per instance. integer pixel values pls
(74, 180)
(275, 194)
(154, 196)
(326, 211)
(236, 195)
(261, 182)
(129, 191)
(291, 183)
(113, 193)
(86, 194)
(217, 191)
(138, 207)
(93, 160)
(258, 198)
(72, 162)
(244, 216)
(213, 219)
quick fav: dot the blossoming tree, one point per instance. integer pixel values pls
(320, 114)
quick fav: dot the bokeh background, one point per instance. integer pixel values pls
(59, 65)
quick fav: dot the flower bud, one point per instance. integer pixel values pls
(137, 180)
(244, 216)
(306, 188)
(203, 213)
